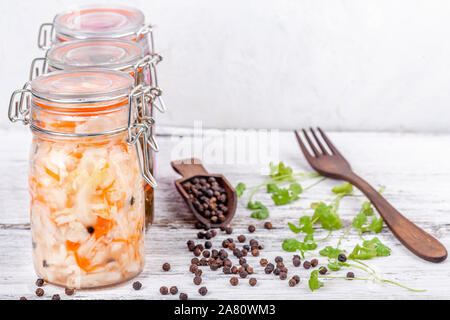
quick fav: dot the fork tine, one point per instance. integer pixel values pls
(333, 149)
(305, 151)
(311, 144)
(325, 152)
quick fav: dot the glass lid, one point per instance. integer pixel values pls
(82, 86)
(99, 20)
(98, 53)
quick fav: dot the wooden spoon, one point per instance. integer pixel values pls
(192, 168)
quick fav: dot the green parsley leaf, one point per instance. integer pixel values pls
(296, 188)
(272, 187)
(367, 208)
(293, 228)
(284, 196)
(370, 249)
(376, 225)
(330, 252)
(240, 188)
(281, 171)
(314, 282)
(336, 265)
(261, 211)
(328, 218)
(343, 189)
(359, 220)
(306, 225)
(291, 245)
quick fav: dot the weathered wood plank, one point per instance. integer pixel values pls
(417, 185)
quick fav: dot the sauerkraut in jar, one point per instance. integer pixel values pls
(86, 176)
(114, 54)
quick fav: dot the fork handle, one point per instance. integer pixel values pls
(414, 238)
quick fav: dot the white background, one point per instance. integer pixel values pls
(344, 65)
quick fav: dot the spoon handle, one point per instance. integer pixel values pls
(189, 167)
(414, 238)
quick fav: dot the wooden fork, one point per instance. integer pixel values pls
(332, 164)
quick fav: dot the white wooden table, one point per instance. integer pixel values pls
(415, 168)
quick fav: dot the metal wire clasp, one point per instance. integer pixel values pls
(139, 131)
(148, 63)
(147, 29)
(46, 35)
(19, 106)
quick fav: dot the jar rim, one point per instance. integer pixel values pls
(107, 53)
(82, 87)
(99, 20)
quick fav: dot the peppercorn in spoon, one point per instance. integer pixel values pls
(210, 197)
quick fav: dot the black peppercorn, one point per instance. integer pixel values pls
(183, 296)
(342, 257)
(268, 225)
(234, 281)
(323, 270)
(163, 290)
(56, 297)
(137, 285)
(173, 290)
(39, 282)
(292, 282)
(166, 266)
(350, 275)
(39, 292)
(306, 264)
(203, 291)
(197, 280)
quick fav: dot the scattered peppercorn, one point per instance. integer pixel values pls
(183, 296)
(268, 225)
(314, 263)
(241, 238)
(90, 230)
(350, 275)
(252, 281)
(195, 261)
(166, 266)
(69, 291)
(251, 228)
(243, 274)
(197, 280)
(249, 270)
(39, 282)
(163, 290)
(39, 292)
(296, 262)
(193, 268)
(263, 262)
(342, 257)
(278, 259)
(208, 244)
(23, 298)
(229, 230)
(203, 291)
(269, 268)
(306, 264)
(255, 252)
(173, 290)
(296, 278)
(234, 281)
(292, 282)
(56, 297)
(137, 285)
(283, 275)
(323, 270)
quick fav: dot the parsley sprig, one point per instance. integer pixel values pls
(279, 174)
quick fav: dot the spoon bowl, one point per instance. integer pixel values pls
(192, 168)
